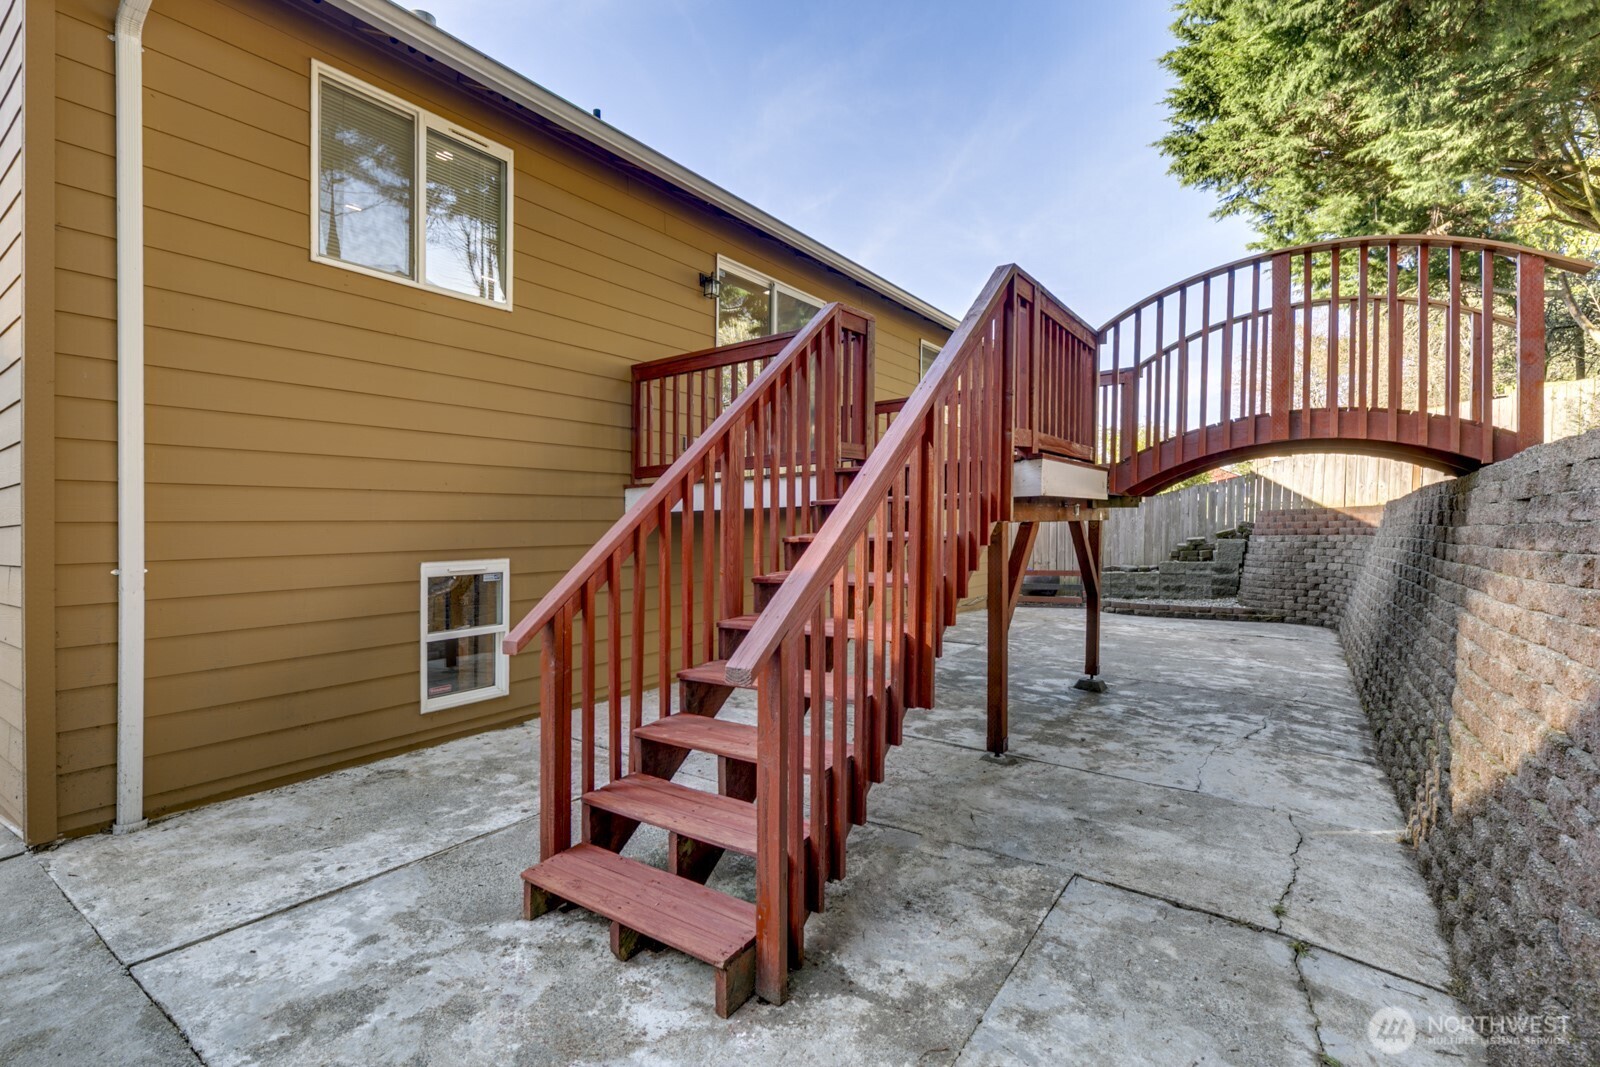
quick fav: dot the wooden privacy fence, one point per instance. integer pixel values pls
(1147, 534)
(1390, 342)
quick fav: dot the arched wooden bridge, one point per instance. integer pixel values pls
(1388, 345)
(804, 544)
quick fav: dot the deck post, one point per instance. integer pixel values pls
(1086, 538)
(999, 640)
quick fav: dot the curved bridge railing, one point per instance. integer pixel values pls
(1389, 345)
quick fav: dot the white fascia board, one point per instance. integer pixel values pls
(404, 26)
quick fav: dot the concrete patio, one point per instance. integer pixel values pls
(1201, 865)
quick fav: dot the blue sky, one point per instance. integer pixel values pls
(929, 141)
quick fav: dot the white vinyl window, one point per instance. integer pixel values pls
(465, 605)
(927, 352)
(401, 193)
(753, 304)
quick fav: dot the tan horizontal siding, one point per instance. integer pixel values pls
(315, 434)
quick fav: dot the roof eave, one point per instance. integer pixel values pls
(405, 27)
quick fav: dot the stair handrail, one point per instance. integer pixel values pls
(642, 514)
(911, 526)
(810, 578)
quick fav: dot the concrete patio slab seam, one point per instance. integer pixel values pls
(296, 905)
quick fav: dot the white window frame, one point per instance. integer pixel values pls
(774, 287)
(424, 120)
(927, 352)
(502, 662)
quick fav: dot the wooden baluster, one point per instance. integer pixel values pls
(686, 542)
(1359, 335)
(1396, 312)
(1281, 339)
(1424, 355)
(1158, 432)
(866, 729)
(1205, 358)
(1452, 353)
(1530, 349)
(818, 852)
(1483, 361)
(614, 737)
(732, 568)
(879, 637)
(1332, 399)
(1258, 365)
(1182, 355)
(636, 661)
(710, 557)
(838, 683)
(1305, 346)
(1136, 364)
(764, 488)
(1227, 367)
(664, 603)
(586, 602)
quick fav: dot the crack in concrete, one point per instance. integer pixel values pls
(1281, 908)
(1295, 953)
(1200, 775)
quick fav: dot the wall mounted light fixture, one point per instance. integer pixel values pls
(710, 286)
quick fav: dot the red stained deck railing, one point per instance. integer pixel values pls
(1385, 345)
(677, 399)
(888, 567)
(657, 585)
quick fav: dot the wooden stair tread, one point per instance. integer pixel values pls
(734, 740)
(715, 672)
(748, 622)
(710, 926)
(705, 817)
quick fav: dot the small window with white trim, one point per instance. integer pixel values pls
(401, 193)
(752, 304)
(927, 352)
(465, 605)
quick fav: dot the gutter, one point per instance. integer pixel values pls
(405, 27)
(130, 572)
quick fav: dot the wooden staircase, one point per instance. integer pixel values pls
(858, 549)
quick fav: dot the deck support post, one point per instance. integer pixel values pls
(1006, 571)
(1086, 543)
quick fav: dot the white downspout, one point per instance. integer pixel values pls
(129, 38)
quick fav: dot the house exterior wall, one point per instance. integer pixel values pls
(13, 749)
(316, 434)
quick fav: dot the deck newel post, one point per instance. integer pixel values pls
(772, 825)
(1530, 350)
(555, 740)
(999, 641)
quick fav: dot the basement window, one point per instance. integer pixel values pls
(401, 193)
(752, 304)
(465, 605)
